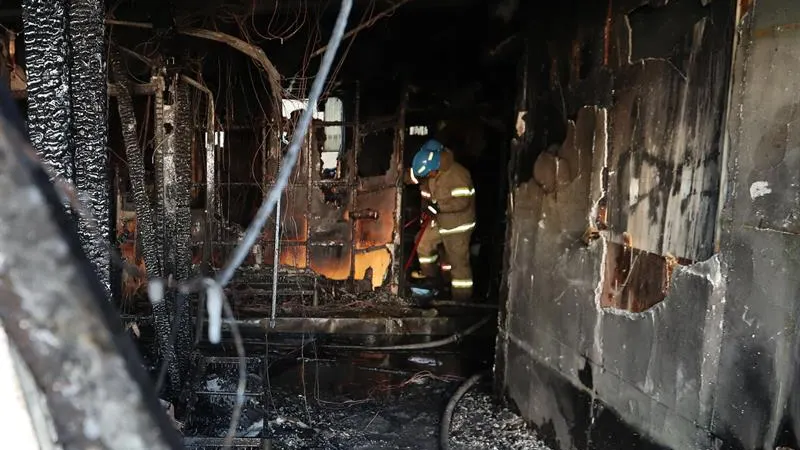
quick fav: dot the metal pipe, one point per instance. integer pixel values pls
(276, 263)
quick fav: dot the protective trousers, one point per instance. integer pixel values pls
(456, 245)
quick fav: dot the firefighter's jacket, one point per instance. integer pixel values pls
(452, 190)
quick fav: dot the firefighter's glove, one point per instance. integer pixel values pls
(433, 208)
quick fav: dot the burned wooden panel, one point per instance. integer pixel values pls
(375, 157)
(374, 218)
(330, 204)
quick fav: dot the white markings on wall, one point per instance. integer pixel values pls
(759, 189)
(633, 191)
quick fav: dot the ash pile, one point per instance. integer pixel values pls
(340, 404)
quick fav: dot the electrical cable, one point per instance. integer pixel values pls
(447, 417)
(242, 384)
(267, 207)
(422, 345)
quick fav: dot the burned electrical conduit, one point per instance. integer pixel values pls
(447, 417)
(422, 345)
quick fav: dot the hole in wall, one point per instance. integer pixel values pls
(375, 156)
(636, 280)
(657, 31)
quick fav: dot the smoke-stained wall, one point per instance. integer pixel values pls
(634, 316)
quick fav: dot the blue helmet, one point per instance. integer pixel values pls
(427, 159)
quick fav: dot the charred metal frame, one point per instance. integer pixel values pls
(302, 201)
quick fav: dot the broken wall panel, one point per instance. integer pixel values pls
(665, 183)
(373, 265)
(375, 156)
(618, 194)
(330, 222)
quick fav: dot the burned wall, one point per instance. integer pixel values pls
(613, 331)
(759, 235)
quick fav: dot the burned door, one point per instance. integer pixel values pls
(376, 207)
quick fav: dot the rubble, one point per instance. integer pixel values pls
(342, 404)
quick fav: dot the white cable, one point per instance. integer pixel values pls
(214, 297)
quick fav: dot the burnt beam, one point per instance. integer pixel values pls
(46, 56)
(89, 129)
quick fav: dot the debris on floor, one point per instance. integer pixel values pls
(407, 420)
(343, 404)
(480, 423)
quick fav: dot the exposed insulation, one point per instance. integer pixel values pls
(87, 89)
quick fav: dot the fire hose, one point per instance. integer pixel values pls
(447, 417)
(426, 222)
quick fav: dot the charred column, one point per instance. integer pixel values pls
(163, 310)
(87, 88)
(174, 200)
(136, 168)
(46, 56)
(182, 192)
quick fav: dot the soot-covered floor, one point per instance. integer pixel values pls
(359, 401)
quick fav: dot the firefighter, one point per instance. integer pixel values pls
(452, 203)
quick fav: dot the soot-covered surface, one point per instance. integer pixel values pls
(358, 401)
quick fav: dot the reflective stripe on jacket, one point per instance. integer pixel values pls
(452, 190)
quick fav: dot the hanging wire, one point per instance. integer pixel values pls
(267, 207)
